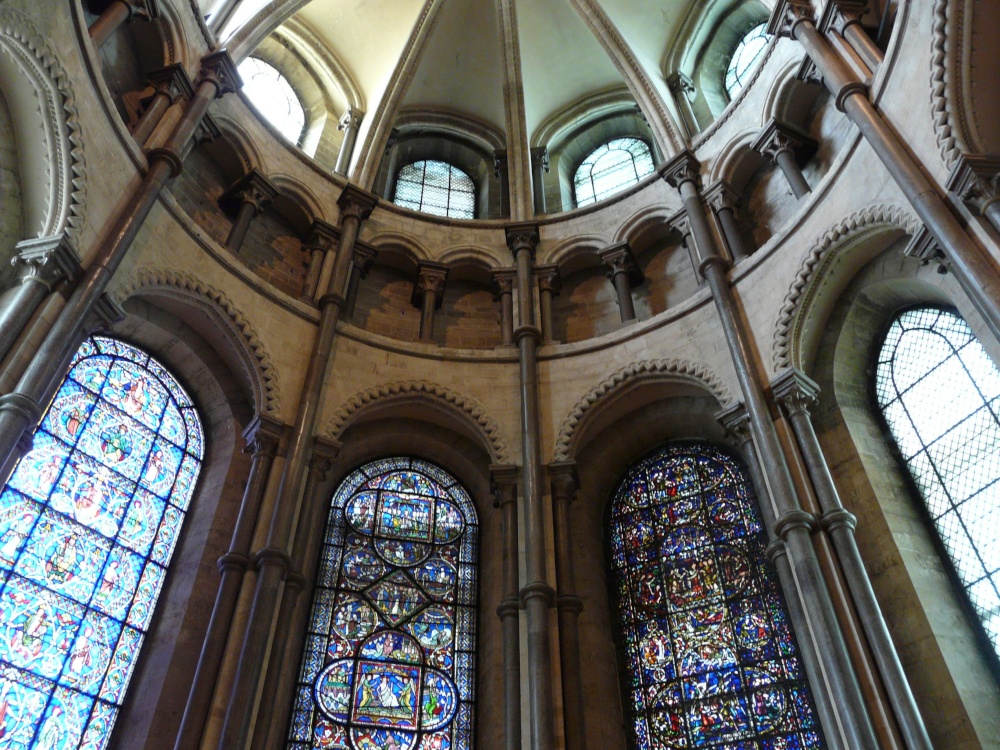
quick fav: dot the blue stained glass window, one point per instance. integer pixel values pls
(88, 522)
(939, 393)
(611, 168)
(710, 656)
(389, 658)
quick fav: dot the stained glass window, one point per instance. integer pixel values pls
(389, 659)
(436, 187)
(745, 58)
(273, 96)
(940, 395)
(611, 168)
(710, 657)
(88, 523)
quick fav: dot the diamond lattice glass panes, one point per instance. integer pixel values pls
(436, 187)
(389, 660)
(745, 58)
(711, 660)
(273, 96)
(940, 395)
(611, 168)
(88, 523)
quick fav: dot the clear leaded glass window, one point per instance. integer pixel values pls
(611, 168)
(436, 187)
(88, 522)
(389, 660)
(745, 58)
(940, 395)
(273, 96)
(710, 657)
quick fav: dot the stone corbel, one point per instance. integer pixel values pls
(975, 180)
(925, 248)
(351, 119)
(105, 314)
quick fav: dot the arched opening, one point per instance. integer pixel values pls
(611, 168)
(437, 188)
(273, 97)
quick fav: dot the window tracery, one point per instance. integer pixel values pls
(611, 168)
(745, 58)
(88, 523)
(939, 393)
(273, 96)
(437, 188)
(711, 659)
(389, 659)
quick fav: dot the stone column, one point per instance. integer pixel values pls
(737, 425)
(682, 87)
(500, 172)
(515, 118)
(321, 237)
(568, 604)
(169, 84)
(504, 481)
(780, 142)
(624, 273)
(975, 180)
(795, 393)
(45, 263)
(724, 200)
(118, 12)
(973, 269)
(349, 123)
(273, 560)
(247, 197)
(549, 286)
(844, 17)
(503, 292)
(364, 259)
(262, 437)
(293, 615)
(21, 409)
(539, 167)
(428, 291)
(537, 594)
(793, 525)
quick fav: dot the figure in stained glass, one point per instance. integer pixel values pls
(78, 599)
(387, 664)
(711, 662)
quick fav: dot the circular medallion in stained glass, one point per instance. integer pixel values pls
(448, 523)
(354, 619)
(361, 568)
(438, 578)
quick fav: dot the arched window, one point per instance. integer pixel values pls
(939, 393)
(273, 96)
(611, 168)
(88, 522)
(710, 657)
(389, 659)
(436, 187)
(745, 58)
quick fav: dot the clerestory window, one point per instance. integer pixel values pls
(389, 659)
(436, 187)
(88, 523)
(746, 56)
(939, 393)
(611, 168)
(271, 93)
(710, 658)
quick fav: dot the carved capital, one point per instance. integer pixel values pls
(540, 158)
(619, 260)
(206, 132)
(975, 179)
(104, 314)
(839, 14)
(431, 277)
(253, 188)
(351, 119)
(684, 167)
(47, 260)
(735, 420)
(721, 196)
(522, 237)
(924, 247)
(263, 436)
(145, 10)
(356, 203)
(794, 391)
(564, 479)
(321, 237)
(549, 279)
(172, 81)
(788, 14)
(680, 84)
(503, 484)
(679, 223)
(324, 453)
(499, 162)
(504, 280)
(808, 72)
(777, 137)
(219, 69)
(364, 258)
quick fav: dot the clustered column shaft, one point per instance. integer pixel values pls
(504, 480)
(549, 286)
(503, 291)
